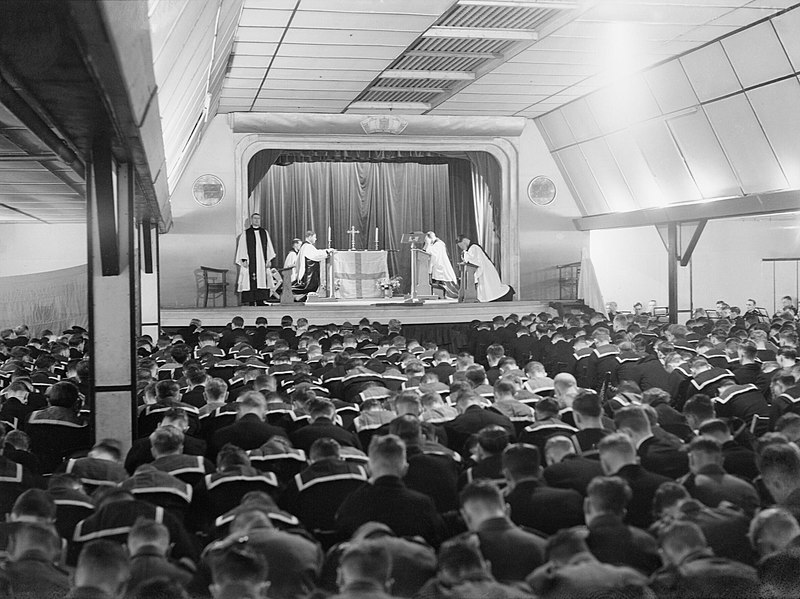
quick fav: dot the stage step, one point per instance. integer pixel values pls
(429, 312)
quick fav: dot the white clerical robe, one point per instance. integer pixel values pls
(291, 262)
(440, 268)
(488, 282)
(262, 280)
(307, 250)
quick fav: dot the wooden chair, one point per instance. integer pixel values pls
(215, 282)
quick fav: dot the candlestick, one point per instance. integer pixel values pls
(329, 237)
(376, 238)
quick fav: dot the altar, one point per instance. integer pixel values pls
(356, 273)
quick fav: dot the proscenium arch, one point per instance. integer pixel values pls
(501, 149)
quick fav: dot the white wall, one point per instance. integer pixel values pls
(32, 248)
(547, 236)
(631, 264)
(200, 236)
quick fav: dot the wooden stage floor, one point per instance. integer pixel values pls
(429, 312)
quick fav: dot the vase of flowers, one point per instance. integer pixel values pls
(389, 285)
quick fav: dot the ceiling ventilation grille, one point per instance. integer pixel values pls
(466, 42)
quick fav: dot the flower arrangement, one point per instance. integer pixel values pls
(389, 283)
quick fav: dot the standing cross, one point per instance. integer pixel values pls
(352, 233)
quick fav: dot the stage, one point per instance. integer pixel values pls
(431, 312)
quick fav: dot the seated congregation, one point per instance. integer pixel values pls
(574, 456)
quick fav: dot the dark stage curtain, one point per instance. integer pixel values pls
(395, 197)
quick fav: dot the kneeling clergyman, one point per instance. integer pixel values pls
(487, 280)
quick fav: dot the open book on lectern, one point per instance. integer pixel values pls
(415, 239)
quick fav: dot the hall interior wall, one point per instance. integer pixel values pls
(631, 264)
(33, 248)
(207, 235)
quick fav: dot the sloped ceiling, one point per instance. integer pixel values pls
(443, 57)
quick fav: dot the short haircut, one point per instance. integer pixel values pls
(482, 491)
(195, 375)
(231, 455)
(780, 460)
(547, 405)
(715, 426)
(167, 389)
(700, 406)
(587, 404)
(43, 536)
(706, 445)
(682, 535)
(667, 495)
(175, 414)
(411, 401)
(166, 439)
(504, 387)
(653, 394)
(561, 443)
(609, 494)
(493, 438)
(64, 394)
(460, 555)
(367, 560)
(35, 503)
(18, 440)
(633, 417)
(618, 443)
(238, 563)
(149, 532)
(565, 544)
(475, 374)
(160, 587)
(318, 408)
(237, 321)
(790, 420)
(388, 449)
(407, 427)
(252, 400)
(216, 388)
(104, 560)
(521, 459)
(324, 447)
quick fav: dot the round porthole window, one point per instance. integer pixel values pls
(208, 190)
(541, 191)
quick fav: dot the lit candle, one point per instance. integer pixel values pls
(376, 238)
(329, 237)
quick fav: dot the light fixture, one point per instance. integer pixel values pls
(384, 124)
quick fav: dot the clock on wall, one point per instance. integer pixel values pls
(208, 190)
(541, 191)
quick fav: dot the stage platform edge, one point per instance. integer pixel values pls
(430, 312)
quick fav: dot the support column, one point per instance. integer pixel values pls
(112, 301)
(149, 287)
(672, 271)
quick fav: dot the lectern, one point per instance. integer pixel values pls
(287, 297)
(420, 264)
(467, 293)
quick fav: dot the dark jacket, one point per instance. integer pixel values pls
(513, 552)
(148, 563)
(535, 505)
(703, 575)
(33, 575)
(662, 458)
(248, 432)
(387, 500)
(613, 542)
(643, 484)
(305, 436)
(472, 420)
(712, 485)
(573, 472)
